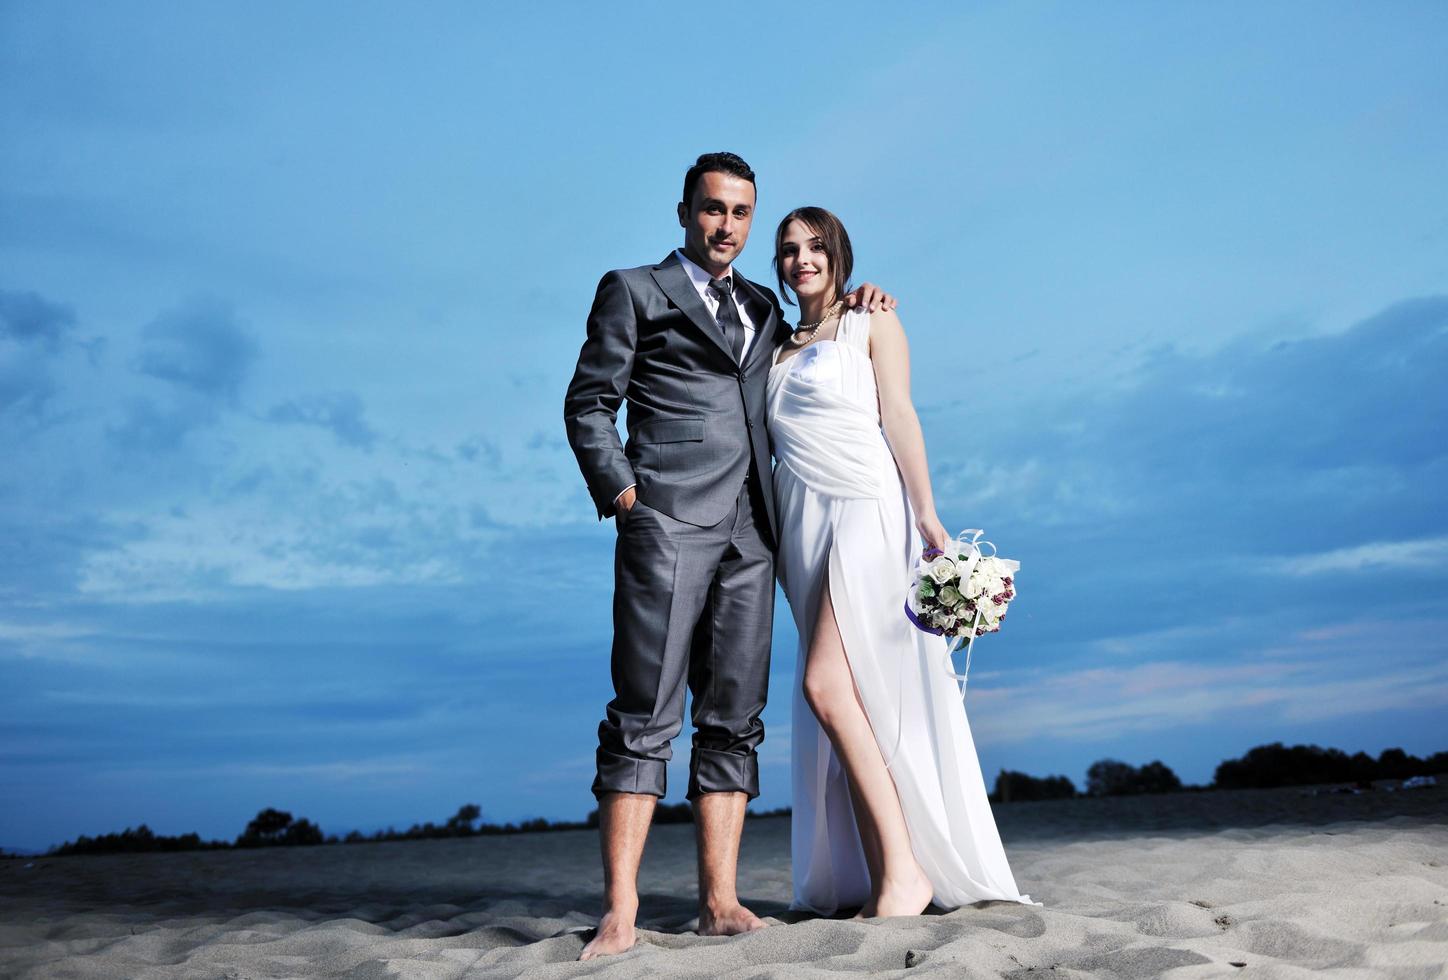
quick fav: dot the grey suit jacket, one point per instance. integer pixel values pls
(695, 417)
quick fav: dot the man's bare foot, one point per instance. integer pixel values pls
(728, 921)
(615, 935)
(908, 897)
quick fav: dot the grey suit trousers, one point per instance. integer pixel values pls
(691, 605)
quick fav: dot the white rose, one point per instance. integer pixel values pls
(942, 570)
(951, 596)
(974, 586)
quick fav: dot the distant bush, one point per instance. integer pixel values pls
(461, 823)
(1112, 777)
(276, 828)
(1012, 785)
(673, 813)
(1397, 764)
(1300, 765)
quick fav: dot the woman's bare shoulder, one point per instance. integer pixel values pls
(885, 326)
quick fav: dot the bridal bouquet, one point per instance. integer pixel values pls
(961, 592)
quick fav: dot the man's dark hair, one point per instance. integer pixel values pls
(831, 233)
(709, 163)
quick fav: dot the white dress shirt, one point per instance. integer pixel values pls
(700, 279)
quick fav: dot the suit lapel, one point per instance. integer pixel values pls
(677, 285)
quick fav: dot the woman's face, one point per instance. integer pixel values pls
(804, 263)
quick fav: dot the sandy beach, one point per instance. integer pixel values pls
(1264, 883)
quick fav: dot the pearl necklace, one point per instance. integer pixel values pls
(814, 328)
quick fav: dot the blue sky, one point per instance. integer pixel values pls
(288, 300)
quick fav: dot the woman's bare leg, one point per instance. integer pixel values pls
(869, 834)
(900, 886)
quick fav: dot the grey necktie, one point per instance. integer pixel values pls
(728, 315)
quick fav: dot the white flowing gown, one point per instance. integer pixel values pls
(845, 518)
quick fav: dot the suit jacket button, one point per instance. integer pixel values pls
(749, 422)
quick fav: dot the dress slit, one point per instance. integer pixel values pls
(849, 635)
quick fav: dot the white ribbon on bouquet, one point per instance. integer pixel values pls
(969, 561)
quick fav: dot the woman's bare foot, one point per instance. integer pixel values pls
(728, 921)
(909, 896)
(615, 935)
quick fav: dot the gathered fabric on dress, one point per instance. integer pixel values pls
(845, 520)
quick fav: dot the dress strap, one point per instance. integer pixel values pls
(854, 330)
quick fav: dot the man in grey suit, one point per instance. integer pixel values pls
(688, 344)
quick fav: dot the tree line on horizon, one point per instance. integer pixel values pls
(1263, 767)
(278, 828)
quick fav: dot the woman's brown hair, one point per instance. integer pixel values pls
(831, 233)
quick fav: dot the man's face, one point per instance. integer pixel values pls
(716, 222)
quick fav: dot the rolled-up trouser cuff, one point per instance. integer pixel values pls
(712, 771)
(626, 774)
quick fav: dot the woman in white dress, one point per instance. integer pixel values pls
(890, 810)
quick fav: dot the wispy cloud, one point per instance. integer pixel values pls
(1426, 553)
(200, 346)
(41, 639)
(189, 557)
(201, 354)
(29, 317)
(32, 329)
(341, 413)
